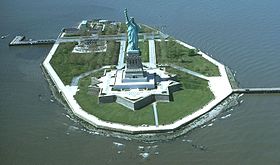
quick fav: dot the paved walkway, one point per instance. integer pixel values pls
(75, 80)
(189, 71)
(121, 37)
(95, 37)
(152, 54)
(155, 113)
(121, 55)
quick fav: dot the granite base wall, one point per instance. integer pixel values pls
(138, 104)
(107, 99)
(174, 88)
(162, 98)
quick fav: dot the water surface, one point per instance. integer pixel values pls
(242, 34)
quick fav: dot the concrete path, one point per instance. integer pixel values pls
(121, 55)
(120, 37)
(75, 80)
(189, 71)
(155, 113)
(152, 54)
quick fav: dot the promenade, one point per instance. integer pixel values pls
(121, 55)
(152, 54)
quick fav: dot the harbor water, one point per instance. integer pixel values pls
(244, 35)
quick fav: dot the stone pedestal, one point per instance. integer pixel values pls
(134, 67)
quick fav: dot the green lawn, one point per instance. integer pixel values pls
(110, 29)
(144, 47)
(194, 95)
(146, 29)
(112, 111)
(143, 29)
(172, 52)
(68, 64)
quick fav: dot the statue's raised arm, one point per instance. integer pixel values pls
(126, 16)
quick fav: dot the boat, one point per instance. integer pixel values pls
(3, 37)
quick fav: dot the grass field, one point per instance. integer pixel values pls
(144, 47)
(68, 64)
(112, 112)
(194, 95)
(172, 52)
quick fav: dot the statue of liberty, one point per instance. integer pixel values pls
(132, 32)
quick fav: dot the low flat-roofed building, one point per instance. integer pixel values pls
(83, 25)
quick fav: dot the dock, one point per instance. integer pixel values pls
(236, 89)
(19, 40)
(256, 90)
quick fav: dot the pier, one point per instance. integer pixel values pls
(19, 40)
(236, 89)
(256, 90)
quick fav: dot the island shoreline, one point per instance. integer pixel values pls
(77, 111)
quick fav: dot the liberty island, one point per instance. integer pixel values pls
(142, 81)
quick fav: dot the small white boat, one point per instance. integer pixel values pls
(3, 37)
